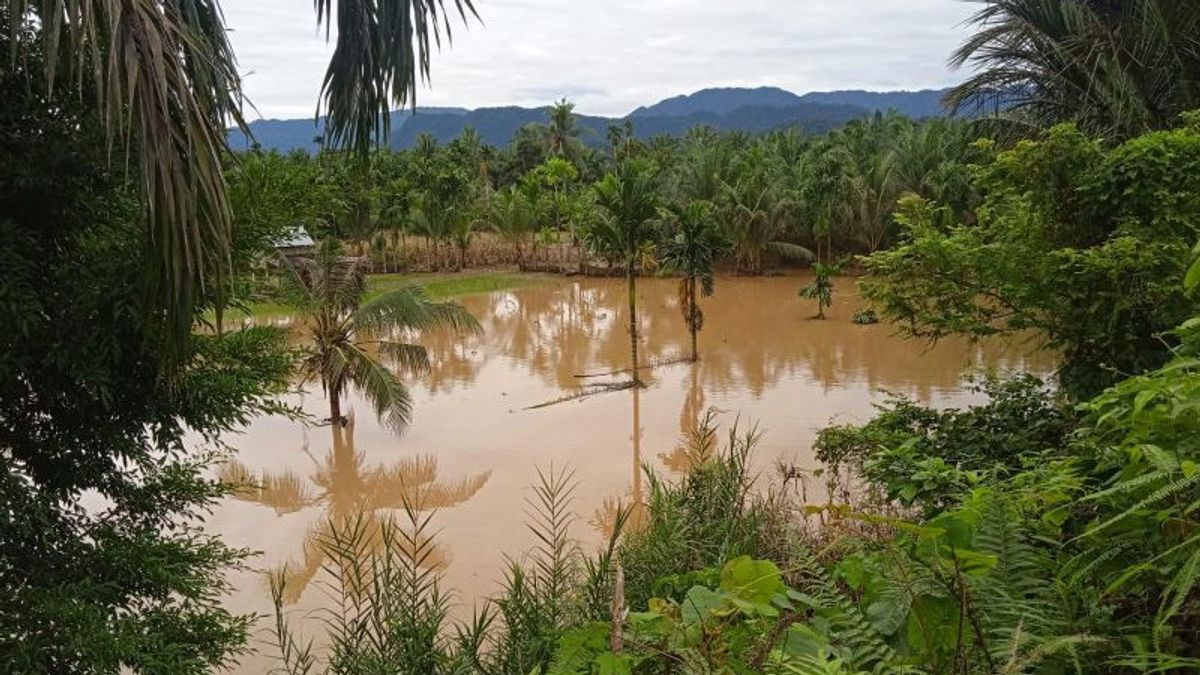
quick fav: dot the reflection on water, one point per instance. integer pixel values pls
(756, 333)
(351, 495)
(474, 447)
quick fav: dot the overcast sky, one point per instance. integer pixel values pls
(610, 56)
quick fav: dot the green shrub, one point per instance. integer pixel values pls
(929, 458)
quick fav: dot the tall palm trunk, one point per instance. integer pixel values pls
(335, 408)
(692, 309)
(631, 278)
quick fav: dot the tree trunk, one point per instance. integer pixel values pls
(579, 253)
(335, 408)
(692, 316)
(633, 325)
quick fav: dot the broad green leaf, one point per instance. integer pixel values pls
(702, 603)
(801, 640)
(754, 580)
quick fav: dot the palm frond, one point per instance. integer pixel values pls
(382, 50)
(408, 308)
(408, 357)
(790, 251)
(163, 78)
(383, 389)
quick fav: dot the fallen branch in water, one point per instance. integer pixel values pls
(623, 371)
(592, 389)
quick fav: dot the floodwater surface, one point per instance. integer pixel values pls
(477, 440)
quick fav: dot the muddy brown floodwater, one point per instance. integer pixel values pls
(474, 447)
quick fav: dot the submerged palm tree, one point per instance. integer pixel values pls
(629, 199)
(328, 290)
(162, 77)
(821, 288)
(692, 252)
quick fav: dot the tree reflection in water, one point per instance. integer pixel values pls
(605, 515)
(755, 336)
(352, 494)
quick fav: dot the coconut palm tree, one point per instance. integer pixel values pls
(162, 77)
(629, 201)
(1116, 68)
(692, 252)
(347, 333)
(758, 212)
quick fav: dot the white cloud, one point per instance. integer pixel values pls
(611, 56)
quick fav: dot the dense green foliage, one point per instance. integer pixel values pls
(926, 458)
(775, 197)
(1080, 243)
(1118, 69)
(103, 565)
(1042, 531)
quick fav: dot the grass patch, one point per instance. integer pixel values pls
(439, 286)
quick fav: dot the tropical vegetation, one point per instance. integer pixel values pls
(348, 335)
(692, 249)
(821, 287)
(626, 233)
(1050, 528)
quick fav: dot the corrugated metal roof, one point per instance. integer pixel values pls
(297, 237)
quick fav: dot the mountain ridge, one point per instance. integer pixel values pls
(750, 109)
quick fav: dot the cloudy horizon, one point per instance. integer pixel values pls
(609, 58)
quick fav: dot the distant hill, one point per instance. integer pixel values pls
(496, 126)
(720, 101)
(753, 110)
(286, 135)
(924, 103)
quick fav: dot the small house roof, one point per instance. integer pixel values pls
(297, 237)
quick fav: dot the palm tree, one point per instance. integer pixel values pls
(702, 172)
(692, 252)
(821, 288)
(162, 77)
(629, 198)
(562, 134)
(759, 213)
(1116, 68)
(328, 291)
(870, 185)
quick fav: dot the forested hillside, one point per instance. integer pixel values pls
(732, 109)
